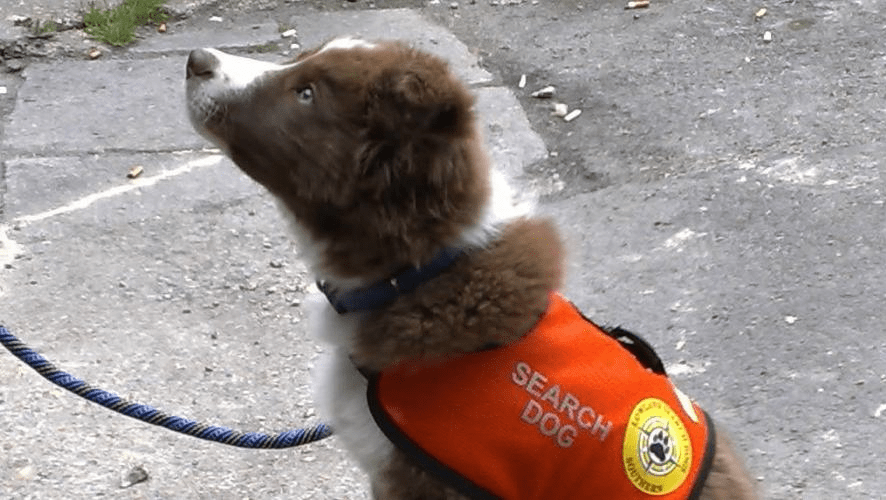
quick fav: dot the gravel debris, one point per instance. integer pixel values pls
(136, 475)
(135, 171)
(544, 93)
(639, 4)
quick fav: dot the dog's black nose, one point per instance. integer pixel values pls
(201, 62)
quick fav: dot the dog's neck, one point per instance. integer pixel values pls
(385, 291)
(491, 296)
(500, 207)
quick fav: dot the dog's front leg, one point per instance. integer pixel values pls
(340, 392)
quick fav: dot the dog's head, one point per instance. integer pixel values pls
(371, 147)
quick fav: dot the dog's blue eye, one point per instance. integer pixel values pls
(306, 95)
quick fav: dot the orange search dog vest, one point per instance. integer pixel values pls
(569, 411)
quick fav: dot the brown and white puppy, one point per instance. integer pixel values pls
(373, 151)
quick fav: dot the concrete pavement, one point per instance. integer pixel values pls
(18, 16)
(179, 288)
(720, 194)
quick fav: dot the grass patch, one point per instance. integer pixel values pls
(117, 26)
(44, 28)
(266, 48)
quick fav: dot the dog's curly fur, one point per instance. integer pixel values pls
(492, 295)
(380, 165)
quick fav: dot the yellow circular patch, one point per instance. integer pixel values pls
(657, 451)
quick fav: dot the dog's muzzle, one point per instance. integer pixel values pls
(201, 64)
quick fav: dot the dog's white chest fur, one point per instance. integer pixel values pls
(340, 389)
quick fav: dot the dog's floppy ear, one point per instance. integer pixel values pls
(418, 98)
(420, 132)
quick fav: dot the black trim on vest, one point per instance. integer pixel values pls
(637, 345)
(422, 458)
(707, 460)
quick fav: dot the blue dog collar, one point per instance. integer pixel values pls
(386, 291)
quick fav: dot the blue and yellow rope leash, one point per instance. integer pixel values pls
(145, 413)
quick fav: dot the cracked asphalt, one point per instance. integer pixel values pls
(720, 193)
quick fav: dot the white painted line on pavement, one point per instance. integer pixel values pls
(118, 190)
(9, 249)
